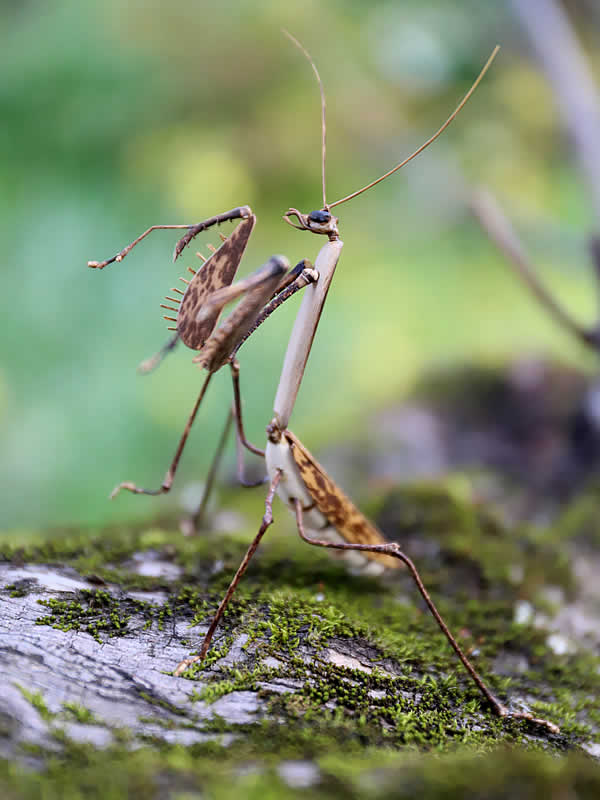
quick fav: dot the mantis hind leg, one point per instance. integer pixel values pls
(394, 549)
(267, 520)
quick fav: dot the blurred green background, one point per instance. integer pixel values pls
(115, 116)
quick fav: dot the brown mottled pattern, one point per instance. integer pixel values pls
(218, 271)
(224, 340)
(335, 506)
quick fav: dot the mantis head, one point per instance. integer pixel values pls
(321, 221)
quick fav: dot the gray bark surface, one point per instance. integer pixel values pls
(123, 681)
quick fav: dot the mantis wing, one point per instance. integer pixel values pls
(336, 506)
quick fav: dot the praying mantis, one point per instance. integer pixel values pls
(318, 504)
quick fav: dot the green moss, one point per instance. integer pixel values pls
(363, 772)
(579, 521)
(104, 554)
(19, 589)
(381, 728)
(293, 594)
(96, 612)
(240, 680)
(80, 713)
(37, 701)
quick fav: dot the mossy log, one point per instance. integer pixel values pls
(317, 678)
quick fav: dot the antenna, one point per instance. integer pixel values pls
(429, 141)
(308, 57)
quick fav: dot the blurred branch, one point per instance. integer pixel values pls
(500, 231)
(567, 70)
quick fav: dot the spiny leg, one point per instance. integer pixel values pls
(170, 474)
(242, 212)
(393, 549)
(297, 279)
(267, 520)
(192, 230)
(302, 276)
(255, 290)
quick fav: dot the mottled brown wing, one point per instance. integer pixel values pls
(218, 271)
(335, 506)
(230, 333)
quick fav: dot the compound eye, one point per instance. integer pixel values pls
(320, 217)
